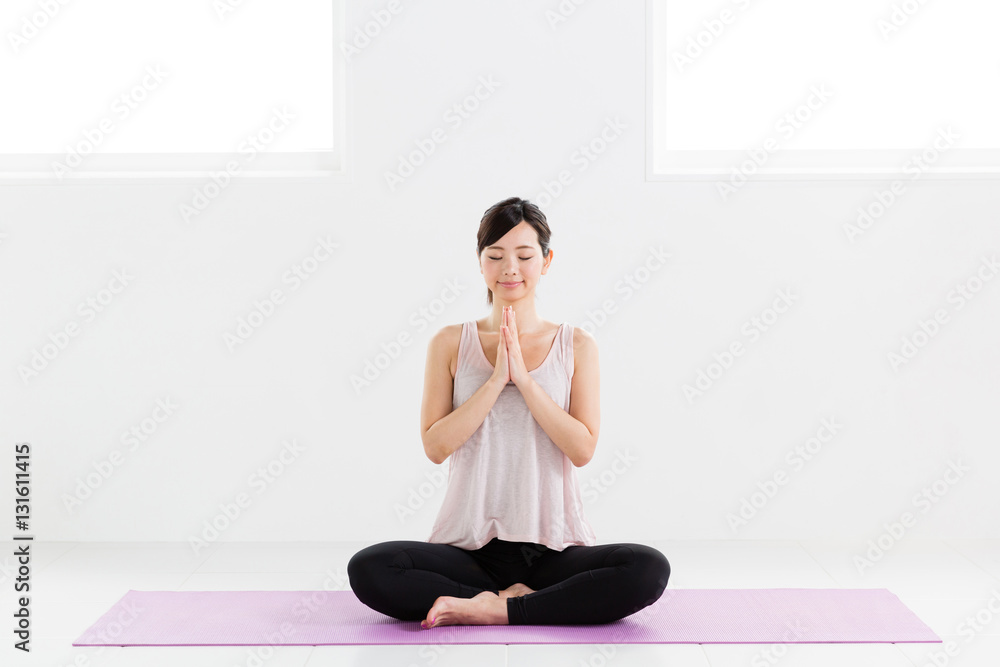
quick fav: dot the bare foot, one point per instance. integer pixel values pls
(487, 608)
(515, 591)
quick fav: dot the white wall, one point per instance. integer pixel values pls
(825, 358)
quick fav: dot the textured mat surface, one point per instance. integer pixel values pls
(680, 616)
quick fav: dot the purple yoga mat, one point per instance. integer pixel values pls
(680, 616)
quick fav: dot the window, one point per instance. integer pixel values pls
(116, 89)
(792, 89)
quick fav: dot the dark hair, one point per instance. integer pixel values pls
(505, 216)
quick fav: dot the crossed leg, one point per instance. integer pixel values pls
(591, 584)
(404, 578)
(441, 584)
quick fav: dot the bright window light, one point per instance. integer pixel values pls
(824, 89)
(121, 86)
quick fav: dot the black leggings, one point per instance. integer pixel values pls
(578, 585)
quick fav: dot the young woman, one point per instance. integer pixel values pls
(511, 544)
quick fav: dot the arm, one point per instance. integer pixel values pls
(442, 429)
(574, 432)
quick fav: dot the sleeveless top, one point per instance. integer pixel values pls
(509, 480)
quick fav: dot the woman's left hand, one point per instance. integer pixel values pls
(518, 371)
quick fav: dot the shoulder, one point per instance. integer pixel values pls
(443, 347)
(447, 337)
(585, 361)
(583, 341)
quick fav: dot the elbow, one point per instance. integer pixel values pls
(584, 457)
(428, 449)
(433, 454)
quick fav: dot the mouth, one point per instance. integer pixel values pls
(510, 284)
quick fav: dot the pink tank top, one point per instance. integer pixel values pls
(509, 480)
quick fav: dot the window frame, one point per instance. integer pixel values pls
(196, 168)
(790, 165)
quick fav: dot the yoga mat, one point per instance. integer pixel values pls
(680, 616)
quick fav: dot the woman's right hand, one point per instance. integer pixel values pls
(501, 372)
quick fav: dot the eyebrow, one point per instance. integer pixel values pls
(500, 247)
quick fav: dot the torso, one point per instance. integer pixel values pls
(534, 348)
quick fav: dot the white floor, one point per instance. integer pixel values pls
(948, 584)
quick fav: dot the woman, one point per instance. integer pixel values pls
(510, 544)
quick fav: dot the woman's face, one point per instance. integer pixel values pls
(515, 258)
